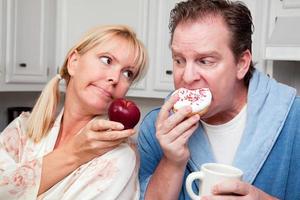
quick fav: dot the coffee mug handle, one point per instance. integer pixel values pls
(189, 182)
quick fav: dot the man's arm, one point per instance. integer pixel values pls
(166, 182)
(172, 134)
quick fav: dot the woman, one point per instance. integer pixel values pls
(77, 154)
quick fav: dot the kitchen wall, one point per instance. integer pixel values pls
(287, 72)
(12, 99)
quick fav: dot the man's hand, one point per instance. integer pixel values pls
(173, 131)
(238, 190)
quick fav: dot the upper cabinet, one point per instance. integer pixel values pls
(1, 38)
(281, 41)
(75, 17)
(27, 44)
(159, 49)
(35, 36)
(257, 9)
(282, 38)
(149, 19)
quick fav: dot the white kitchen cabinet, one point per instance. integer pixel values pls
(27, 44)
(148, 18)
(160, 54)
(282, 32)
(160, 51)
(259, 16)
(160, 78)
(29, 28)
(1, 38)
(75, 17)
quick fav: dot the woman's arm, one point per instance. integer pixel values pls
(95, 139)
(56, 165)
(26, 179)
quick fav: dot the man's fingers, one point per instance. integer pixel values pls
(185, 137)
(180, 129)
(235, 187)
(167, 107)
(179, 116)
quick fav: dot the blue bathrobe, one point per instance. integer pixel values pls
(269, 152)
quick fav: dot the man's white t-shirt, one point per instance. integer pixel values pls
(225, 138)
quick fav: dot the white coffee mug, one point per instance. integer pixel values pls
(209, 175)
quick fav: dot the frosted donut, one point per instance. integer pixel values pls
(198, 99)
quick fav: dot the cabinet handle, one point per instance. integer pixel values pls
(22, 64)
(169, 72)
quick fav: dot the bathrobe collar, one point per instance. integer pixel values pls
(268, 105)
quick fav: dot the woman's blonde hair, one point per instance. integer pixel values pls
(43, 114)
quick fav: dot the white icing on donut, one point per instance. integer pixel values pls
(198, 99)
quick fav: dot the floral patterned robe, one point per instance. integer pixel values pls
(110, 176)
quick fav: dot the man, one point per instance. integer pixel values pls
(252, 123)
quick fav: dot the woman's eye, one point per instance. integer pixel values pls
(128, 74)
(105, 60)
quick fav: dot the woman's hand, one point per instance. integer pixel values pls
(95, 139)
(235, 189)
(173, 131)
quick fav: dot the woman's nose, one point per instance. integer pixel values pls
(113, 76)
(190, 73)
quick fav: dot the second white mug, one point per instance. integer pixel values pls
(209, 175)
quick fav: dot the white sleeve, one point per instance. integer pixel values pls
(18, 179)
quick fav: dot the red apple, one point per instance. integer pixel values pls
(124, 111)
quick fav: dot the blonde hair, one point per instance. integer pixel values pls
(43, 114)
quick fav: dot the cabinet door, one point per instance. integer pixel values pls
(75, 17)
(1, 38)
(26, 41)
(259, 17)
(163, 80)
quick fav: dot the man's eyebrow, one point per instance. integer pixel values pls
(209, 53)
(174, 52)
(204, 53)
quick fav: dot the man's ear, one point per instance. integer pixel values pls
(244, 64)
(73, 62)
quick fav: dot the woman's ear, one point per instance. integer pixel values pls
(244, 64)
(73, 63)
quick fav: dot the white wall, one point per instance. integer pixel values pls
(12, 99)
(288, 72)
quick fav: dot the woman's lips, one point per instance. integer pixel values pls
(104, 92)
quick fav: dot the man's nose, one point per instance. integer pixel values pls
(190, 73)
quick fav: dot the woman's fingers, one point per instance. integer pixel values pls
(105, 144)
(98, 124)
(111, 135)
